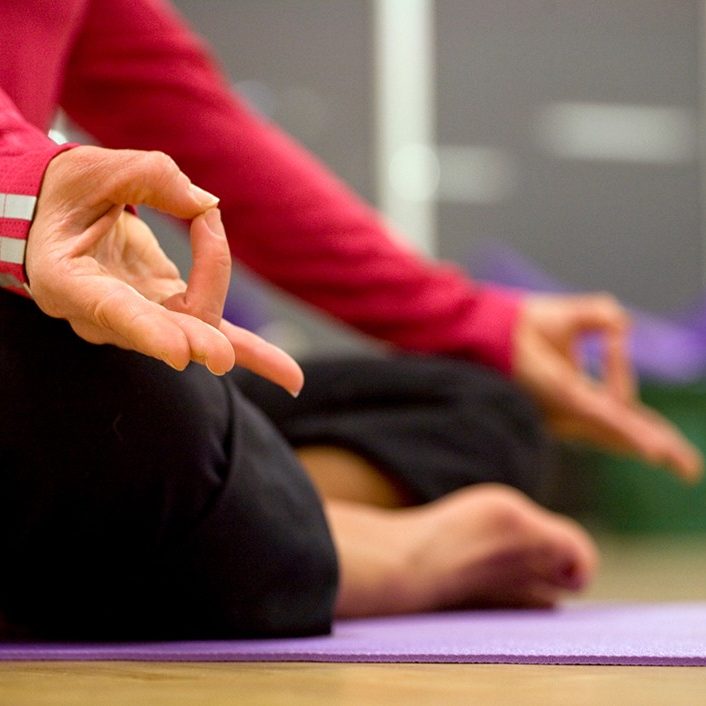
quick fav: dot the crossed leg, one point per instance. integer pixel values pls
(160, 504)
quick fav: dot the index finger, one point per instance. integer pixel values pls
(153, 179)
(88, 179)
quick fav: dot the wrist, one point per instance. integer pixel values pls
(19, 185)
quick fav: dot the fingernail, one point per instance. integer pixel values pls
(166, 360)
(214, 223)
(202, 196)
(294, 393)
(212, 371)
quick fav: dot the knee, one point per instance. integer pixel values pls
(121, 453)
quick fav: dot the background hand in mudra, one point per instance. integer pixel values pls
(604, 410)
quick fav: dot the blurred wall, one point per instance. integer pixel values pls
(593, 109)
(565, 128)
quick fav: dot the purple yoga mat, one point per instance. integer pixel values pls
(625, 634)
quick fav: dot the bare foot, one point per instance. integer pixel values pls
(484, 546)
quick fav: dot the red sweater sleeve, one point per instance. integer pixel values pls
(24, 154)
(139, 78)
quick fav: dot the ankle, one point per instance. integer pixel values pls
(376, 559)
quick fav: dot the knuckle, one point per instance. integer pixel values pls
(100, 315)
(610, 308)
(222, 260)
(161, 168)
(140, 173)
(159, 162)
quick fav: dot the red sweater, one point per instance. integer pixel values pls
(131, 74)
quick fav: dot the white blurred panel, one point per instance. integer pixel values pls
(618, 132)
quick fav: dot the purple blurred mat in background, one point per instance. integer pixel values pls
(670, 634)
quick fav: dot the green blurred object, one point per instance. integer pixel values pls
(631, 497)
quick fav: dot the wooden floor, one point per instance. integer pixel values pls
(130, 684)
(633, 569)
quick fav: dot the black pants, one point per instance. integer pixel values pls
(139, 503)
